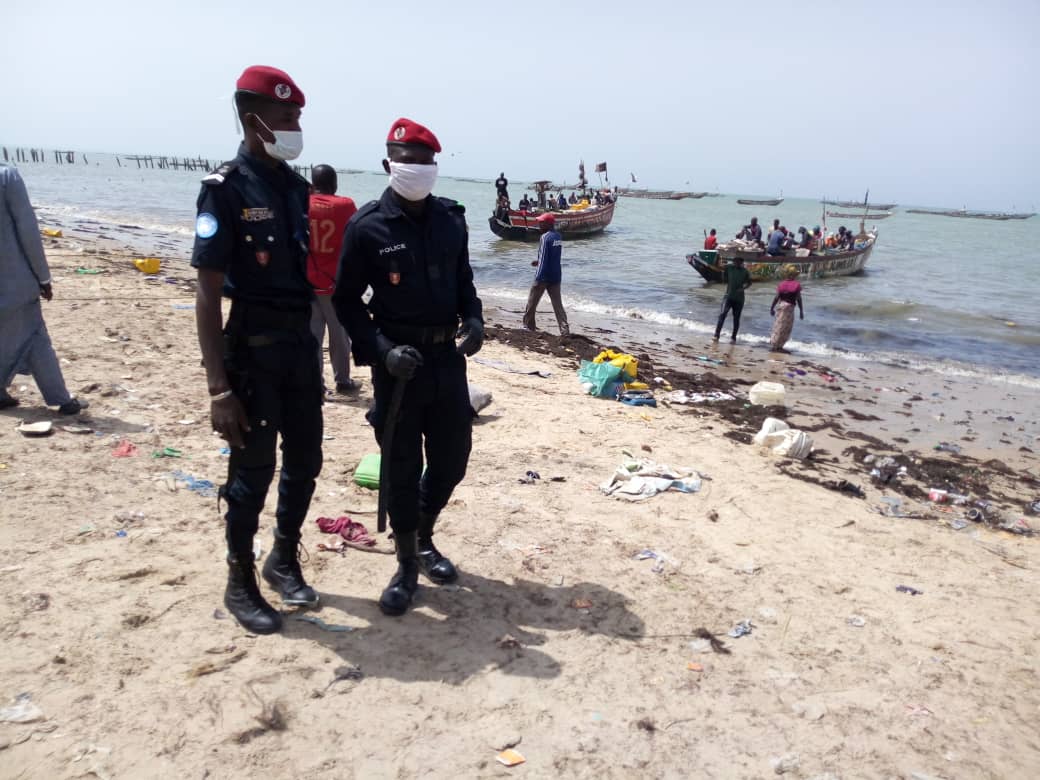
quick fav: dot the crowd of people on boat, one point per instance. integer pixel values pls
(545, 201)
(780, 241)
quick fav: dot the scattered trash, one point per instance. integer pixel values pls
(508, 642)
(686, 397)
(844, 486)
(224, 451)
(958, 525)
(52, 232)
(479, 399)
(76, 429)
(581, 604)
(1034, 508)
(885, 470)
(529, 478)
(659, 559)
(786, 763)
(743, 628)
(219, 614)
(711, 360)
(22, 710)
(1019, 526)
(125, 449)
(147, 265)
(501, 366)
(187, 421)
(88, 528)
(636, 480)
(167, 452)
(121, 533)
(184, 306)
(693, 666)
(202, 487)
(945, 446)
(510, 757)
(783, 440)
(333, 627)
(636, 397)
(856, 621)
(908, 589)
(212, 667)
(88, 271)
(767, 394)
(366, 473)
(43, 428)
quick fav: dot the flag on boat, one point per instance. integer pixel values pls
(601, 167)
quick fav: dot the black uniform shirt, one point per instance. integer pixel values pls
(252, 226)
(418, 270)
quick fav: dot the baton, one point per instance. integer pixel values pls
(386, 450)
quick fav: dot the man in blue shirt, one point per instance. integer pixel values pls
(776, 243)
(548, 276)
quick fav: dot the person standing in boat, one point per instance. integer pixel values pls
(502, 186)
(561, 203)
(737, 280)
(548, 276)
(751, 232)
(775, 246)
(788, 293)
(524, 203)
(711, 241)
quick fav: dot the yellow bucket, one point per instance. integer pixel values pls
(147, 265)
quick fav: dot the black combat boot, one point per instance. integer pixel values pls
(282, 572)
(399, 593)
(243, 600)
(431, 563)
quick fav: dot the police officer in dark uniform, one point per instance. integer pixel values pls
(251, 243)
(412, 249)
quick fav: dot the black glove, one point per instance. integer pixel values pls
(403, 361)
(472, 333)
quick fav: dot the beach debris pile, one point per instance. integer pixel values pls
(637, 479)
(767, 394)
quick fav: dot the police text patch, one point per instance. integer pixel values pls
(257, 215)
(206, 225)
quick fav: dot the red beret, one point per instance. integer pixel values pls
(270, 83)
(550, 218)
(405, 131)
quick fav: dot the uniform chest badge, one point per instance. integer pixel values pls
(257, 215)
(263, 257)
(395, 278)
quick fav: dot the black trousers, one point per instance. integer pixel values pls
(727, 305)
(435, 415)
(280, 386)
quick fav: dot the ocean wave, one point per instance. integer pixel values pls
(814, 349)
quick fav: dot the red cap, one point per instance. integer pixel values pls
(550, 218)
(270, 83)
(405, 131)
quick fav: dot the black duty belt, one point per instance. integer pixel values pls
(418, 335)
(252, 317)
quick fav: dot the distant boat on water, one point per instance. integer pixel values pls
(999, 216)
(859, 204)
(761, 201)
(867, 217)
(626, 192)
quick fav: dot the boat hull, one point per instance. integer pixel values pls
(569, 224)
(766, 202)
(764, 268)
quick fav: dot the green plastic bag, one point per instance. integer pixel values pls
(599, 379)
(367, 472)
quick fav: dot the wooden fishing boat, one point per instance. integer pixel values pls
(571, 224)
(867, 217)
(710, 263)
(760, 201)
(963, 213)
(858, 204)
(651, 194)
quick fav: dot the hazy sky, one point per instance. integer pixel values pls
(921, 103)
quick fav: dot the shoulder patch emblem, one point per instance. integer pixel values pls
(206, 225)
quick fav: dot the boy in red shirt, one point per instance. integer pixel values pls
(329, 215)
(711, 241)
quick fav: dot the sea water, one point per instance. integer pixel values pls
(955, 295)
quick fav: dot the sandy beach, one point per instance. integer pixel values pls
(558, 641)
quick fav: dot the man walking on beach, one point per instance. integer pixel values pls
(548, 276)
(329, 215)
(412, 249)
(251, 244)
(25, 346)
(737, 280)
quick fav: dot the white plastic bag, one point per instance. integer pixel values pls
(767, 394)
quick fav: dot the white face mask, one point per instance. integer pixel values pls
(287, 145)
(412, 181)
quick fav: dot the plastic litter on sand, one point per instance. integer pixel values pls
(510, 757)
(317, 621)
(22, 710)
(743, 628)
(202, 487)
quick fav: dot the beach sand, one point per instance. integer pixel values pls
(557, 640)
